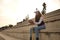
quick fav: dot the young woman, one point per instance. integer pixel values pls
(40, 24)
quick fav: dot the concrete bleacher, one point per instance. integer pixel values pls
(52, 31)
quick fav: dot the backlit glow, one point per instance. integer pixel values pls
(13, 11)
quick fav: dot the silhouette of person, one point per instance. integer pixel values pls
(44, 6)
(39, 22)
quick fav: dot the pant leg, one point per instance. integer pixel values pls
(36, 32)
(37, 29)
(31, 32)
(41, 27)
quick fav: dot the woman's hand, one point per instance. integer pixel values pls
(31, 22)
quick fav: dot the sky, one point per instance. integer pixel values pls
(13, 11)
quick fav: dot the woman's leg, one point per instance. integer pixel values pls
(41, 27)
(37, 29)
(31, 33)
(36, 33)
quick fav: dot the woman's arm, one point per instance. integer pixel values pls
(31, 22)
